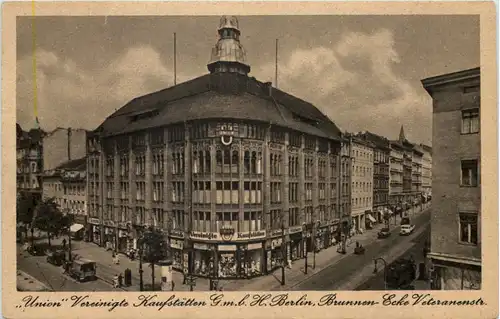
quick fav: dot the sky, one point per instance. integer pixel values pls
(363, 72)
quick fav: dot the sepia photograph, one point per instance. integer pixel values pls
(219, 153)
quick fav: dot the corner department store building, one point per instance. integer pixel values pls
(221, 164)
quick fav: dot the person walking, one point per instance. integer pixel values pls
(64, 243)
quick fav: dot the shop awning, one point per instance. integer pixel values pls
(76, 227)
(370, 217)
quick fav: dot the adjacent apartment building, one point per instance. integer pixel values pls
(456, 185)
(29, 161)
(426, 171)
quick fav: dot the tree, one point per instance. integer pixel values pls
(49, 218)
(154, 249)
(25, 206)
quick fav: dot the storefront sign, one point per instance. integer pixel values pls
(252, 235)
(177, 233)
(226, 232)
(203, 235)
(254, 246)
(276, 232)
(227, 247)
(200, 246)
(296, 229)
(109, 223)
(176, 244)
(94, 221)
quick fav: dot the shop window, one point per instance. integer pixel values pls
(468, 232)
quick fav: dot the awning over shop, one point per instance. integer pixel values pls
(370, 217)
(76, 227)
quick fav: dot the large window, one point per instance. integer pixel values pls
(178, 192)
(124, 190)
(293, 217)
(275, 193)
(470, 121)
(252, 221)
(109, 166)
(124, 165)
(293, 163)
(140, 191)
(227, 192)
(201, 162)
(276, 164)
(252, 162)
(469, 176)
(178, 219)
(201, 221)
(468, 228)
(227, 162)
(308, 189)
(227, 219)
(293, 192)
(252, 192)
(158, 163)
(201, 192)
(158, 191)
(140, 164)
(178, 162)
(275, 219)
(309, 165)
(322, 190)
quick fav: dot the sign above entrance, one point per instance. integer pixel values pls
(228, 234)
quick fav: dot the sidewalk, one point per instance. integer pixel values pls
(324, 258)
(106, 269)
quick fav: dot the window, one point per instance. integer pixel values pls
(201, 192)
(201, 221)
(178, 219)
(322, 192)
(157, 191)
(157, 163)
(177, 192)
(293, 217)
(469, 173)
(252, 192)
(140, 191)
(309, 164)
(470, 121)
(227, 219)
(140, 164)
(276, 164)
(275, 192)
(293, 192)
(252, 221)
(178, 163)
(275, 219)
(293, 163)
(308, 189)
(468, 228)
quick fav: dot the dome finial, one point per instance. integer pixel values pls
(228, 55)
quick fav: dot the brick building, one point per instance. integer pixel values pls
(456, 185)
(222, 164)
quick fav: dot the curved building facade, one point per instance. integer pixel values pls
(239, 175)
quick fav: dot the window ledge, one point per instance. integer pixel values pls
(463, 243)
(469, 186)
(469, 133)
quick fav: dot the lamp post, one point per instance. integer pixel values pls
(385, 269)
(304, 242)
(283, 249)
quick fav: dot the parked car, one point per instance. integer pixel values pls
(56, 257)
(406, 229)
(384, 233)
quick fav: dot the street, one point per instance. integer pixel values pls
(52, 276)
(345, 273)
(377, 282)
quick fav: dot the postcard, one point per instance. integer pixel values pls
(249, 159)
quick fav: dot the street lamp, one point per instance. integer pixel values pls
(385, 269)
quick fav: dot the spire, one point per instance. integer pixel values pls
(228, 55)
(402, 136)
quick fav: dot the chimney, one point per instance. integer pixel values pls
(69, 144)
(269, 86)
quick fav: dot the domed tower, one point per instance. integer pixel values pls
(228, 55)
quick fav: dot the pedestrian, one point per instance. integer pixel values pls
(173, 285)
(64, 243)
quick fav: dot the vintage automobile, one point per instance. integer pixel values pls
(56, 257)
(82, 269)
(406, 229)
(384, 233)
(34, 250)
